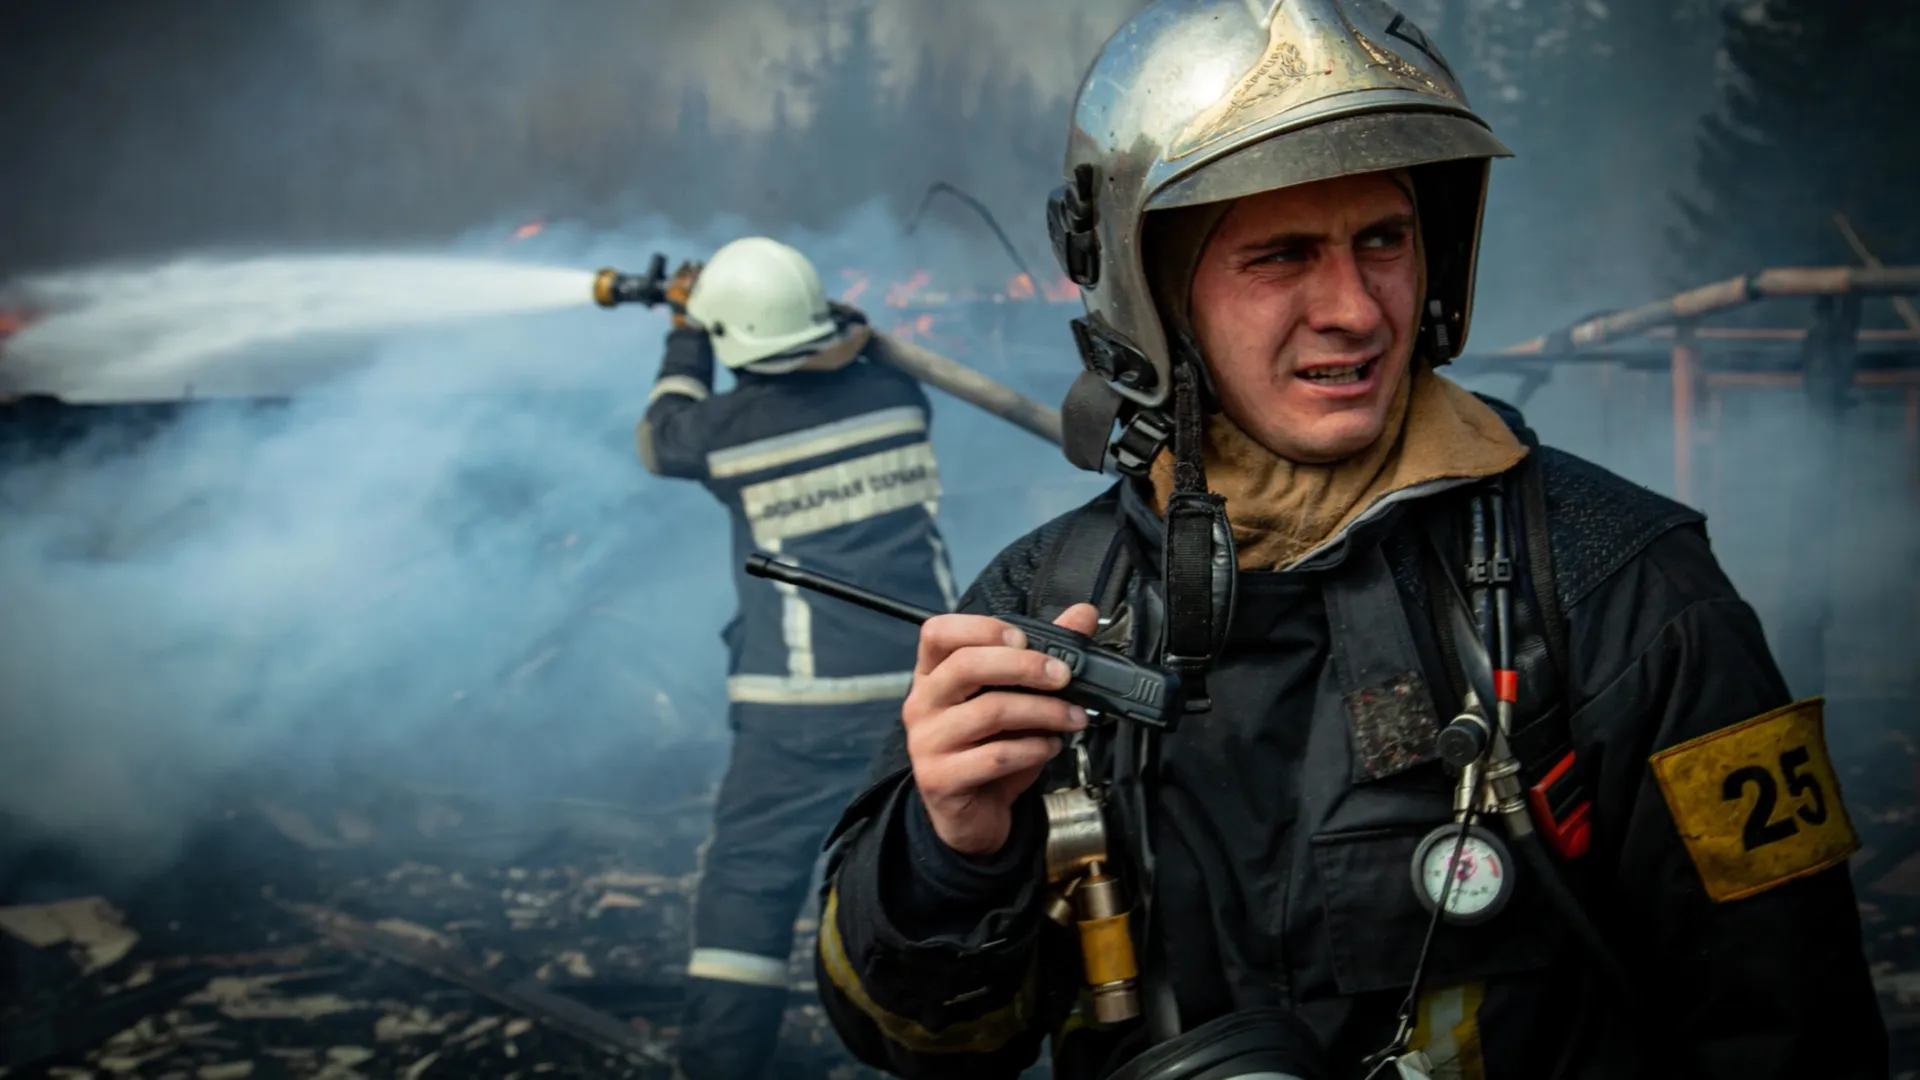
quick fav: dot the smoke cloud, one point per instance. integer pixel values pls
(437, 563)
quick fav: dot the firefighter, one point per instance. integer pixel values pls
(821, 456)
(1486, 770)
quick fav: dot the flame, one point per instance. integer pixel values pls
(858, 285)
(900, 295)
(12, 322)
(531, 228)
(920, 325)
(913, 292)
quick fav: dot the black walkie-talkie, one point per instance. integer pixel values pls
(1102, 680)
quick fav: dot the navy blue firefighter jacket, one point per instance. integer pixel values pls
(830, 470)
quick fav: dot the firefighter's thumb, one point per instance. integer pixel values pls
(1080, 618)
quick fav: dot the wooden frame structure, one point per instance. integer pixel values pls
(1834, 354)
(1830, 360)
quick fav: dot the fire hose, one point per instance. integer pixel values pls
(612, 288)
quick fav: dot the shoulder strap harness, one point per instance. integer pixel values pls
(1092, 561)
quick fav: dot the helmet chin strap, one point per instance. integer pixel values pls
(1198, 559)
(1199, 565)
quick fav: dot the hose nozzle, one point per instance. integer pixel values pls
(611, 287)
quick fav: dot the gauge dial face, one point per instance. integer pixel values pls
(1480, 875)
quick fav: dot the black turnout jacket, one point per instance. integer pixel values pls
(1282, 836)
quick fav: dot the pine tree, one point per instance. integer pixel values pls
(1814, 121)
(932, 101)
(690, 168)
(848, 117)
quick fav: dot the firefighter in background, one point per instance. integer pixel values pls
(820, 454)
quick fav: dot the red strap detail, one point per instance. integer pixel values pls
(1570, 837)
(1506, 686)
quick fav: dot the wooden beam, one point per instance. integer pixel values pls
(1910, 435)
(1725, 295)
(1789, 379)
(1900, 303)
(1685, 359)
(1538, 345)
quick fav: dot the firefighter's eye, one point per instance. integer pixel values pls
(1391, 238)
(1287, 253)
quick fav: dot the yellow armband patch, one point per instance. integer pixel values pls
(1758, 803)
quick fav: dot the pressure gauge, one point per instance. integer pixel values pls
(1482, 875)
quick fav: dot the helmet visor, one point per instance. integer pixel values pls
(1347, 146)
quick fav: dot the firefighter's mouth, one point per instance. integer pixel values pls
(1340, 375)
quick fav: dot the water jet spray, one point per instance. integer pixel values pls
(132, 334)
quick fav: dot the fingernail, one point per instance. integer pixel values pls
(1078, 715)
(1056, 671)
(1014, 638)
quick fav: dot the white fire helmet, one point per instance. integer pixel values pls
(759, 298)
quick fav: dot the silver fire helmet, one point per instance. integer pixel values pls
(1199, 101)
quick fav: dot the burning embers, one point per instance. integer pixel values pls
(1061, 290)
(920, 305)
(12, 322)
(902, 294)
(913, 291)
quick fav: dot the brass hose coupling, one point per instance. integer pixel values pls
(1087, 895)
(1106, 948)
(604, 287)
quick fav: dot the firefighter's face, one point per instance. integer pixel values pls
(1304, 303)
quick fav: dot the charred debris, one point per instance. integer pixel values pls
(416, 935)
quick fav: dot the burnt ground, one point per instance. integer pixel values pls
(421, 939)
(1882, 785)
(292, 942)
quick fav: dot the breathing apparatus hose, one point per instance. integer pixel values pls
(1534, 853)
(1533, 850)
(1538, 860)
(1582, 1021)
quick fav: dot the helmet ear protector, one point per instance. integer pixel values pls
(1073, 216)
